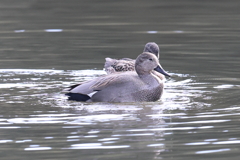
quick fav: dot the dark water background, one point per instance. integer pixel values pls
(47, 45)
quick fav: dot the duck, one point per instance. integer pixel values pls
(126, 64)
(140, 85)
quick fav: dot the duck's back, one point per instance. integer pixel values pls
(121, 65)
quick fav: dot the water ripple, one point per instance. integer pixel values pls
(67, 119)
(213, 151)
(95, 146)
(150, 123)
(37, 148)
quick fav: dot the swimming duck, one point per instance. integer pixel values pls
(131, 86)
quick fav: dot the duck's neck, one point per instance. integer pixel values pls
(150, 79)
(146, 77)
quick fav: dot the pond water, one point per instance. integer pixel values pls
(49, 45)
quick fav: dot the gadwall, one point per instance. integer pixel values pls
(127, 64)
(131, 86)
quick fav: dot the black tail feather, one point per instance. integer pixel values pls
(77, 97)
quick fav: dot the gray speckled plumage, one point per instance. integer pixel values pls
(127, 64)
(132, 86)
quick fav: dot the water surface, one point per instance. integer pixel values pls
(47, 46)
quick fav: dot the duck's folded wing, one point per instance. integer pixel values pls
(69, 88)
(121, 65)
(106, 81)
(109, 62)
(108, 66)
(97, 84)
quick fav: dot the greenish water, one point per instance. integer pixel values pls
(49, 45)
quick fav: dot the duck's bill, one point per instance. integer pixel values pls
(161, 70)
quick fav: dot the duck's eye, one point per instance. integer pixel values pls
(151, 59)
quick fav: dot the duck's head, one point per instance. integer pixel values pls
(152, 47)
(146, 62)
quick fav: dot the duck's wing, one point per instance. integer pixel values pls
(69, 88)
(107, 81)
(98, 84)
(109, 62)
(122, 65)
(108, 66)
